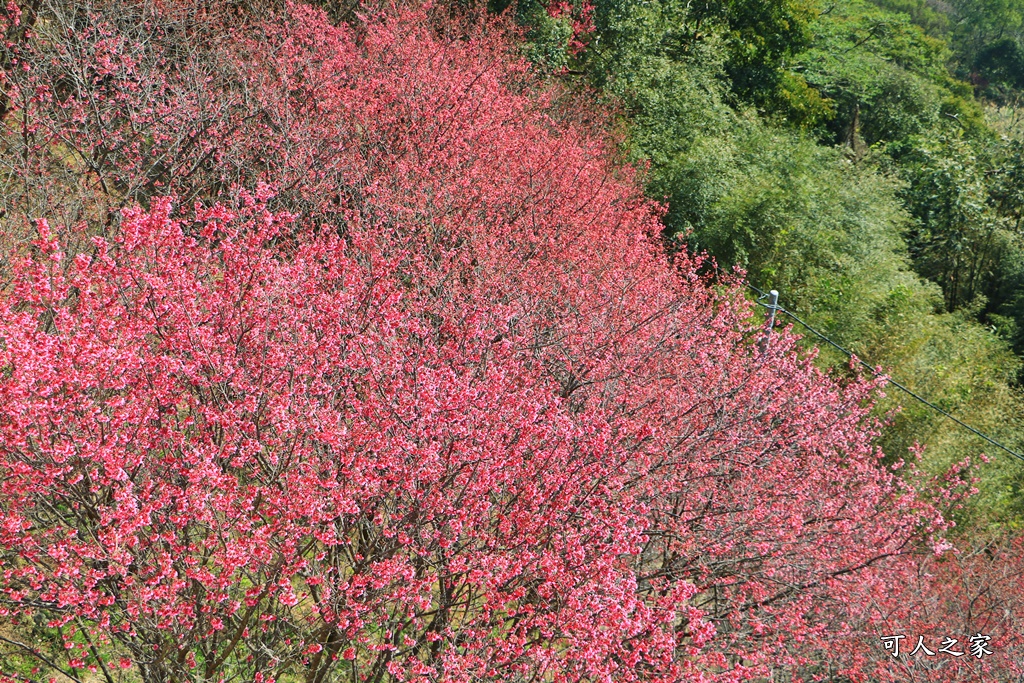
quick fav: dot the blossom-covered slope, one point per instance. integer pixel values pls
(345, 354)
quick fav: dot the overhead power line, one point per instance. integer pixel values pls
(775, 308)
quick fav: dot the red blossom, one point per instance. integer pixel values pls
(391, 377)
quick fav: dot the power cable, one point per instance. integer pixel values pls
(889, 379)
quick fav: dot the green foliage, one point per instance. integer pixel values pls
(959, 239)
(983, 22)
(989, 42)
(1002, 63)
(753, 41)
(921, 13)
(548, 42)
(887, 76)
(800, 104)
(830, 152)
(761, 35)
(671, 87)
(548, 39)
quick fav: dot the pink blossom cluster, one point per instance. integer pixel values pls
(352, 354)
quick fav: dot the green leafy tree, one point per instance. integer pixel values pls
(989, 43)
(887, 77)
(934, 21)
(958, 239)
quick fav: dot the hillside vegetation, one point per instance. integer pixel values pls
(861, 158)
(403, 343)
